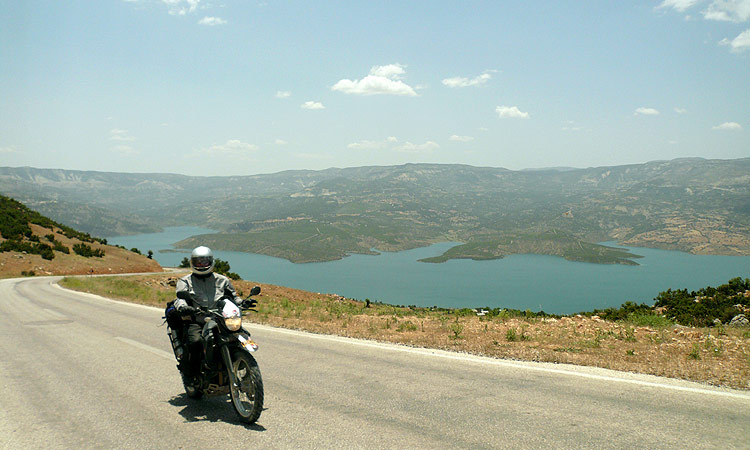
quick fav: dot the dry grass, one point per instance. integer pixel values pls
(711, 355)
(115, 260)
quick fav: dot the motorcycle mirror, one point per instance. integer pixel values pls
(255, 290)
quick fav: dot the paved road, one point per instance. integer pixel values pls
(78, 371)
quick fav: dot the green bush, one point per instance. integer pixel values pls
(13, 245)
(626, 310)
(510, 335)
(86, 251)
(59, 247)
(649, 319)
(15, 218)
(700, 308)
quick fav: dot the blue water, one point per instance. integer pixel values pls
(533, 282)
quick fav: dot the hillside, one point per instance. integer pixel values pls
(32, 244)
(694, 205)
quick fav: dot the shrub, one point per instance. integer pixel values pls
(407, 326)
(222, 267)
(510, 335)
(59, 247)
(13, 245)
(86, 251)
(701, 308)
(648, 319)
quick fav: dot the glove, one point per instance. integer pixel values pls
(246, 304)
(186, 310)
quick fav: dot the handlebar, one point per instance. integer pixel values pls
(184, 295)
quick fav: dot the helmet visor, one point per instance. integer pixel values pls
(202, 262)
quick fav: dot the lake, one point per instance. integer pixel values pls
(533, 282)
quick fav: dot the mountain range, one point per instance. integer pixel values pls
(695, 205)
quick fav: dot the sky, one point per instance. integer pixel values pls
(242, 87)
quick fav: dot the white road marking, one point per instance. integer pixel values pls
(576, 371)
(105, 299)
(148, 348)
(628, 378)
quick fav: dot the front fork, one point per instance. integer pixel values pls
(230, 367)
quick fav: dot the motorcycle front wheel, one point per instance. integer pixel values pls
(247, 393)
(190, 390)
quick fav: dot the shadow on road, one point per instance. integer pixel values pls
(217, 409)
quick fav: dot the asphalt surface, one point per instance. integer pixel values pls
(79, 371)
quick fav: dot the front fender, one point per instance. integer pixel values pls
(246, 343)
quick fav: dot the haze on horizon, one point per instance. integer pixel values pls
(246, 87)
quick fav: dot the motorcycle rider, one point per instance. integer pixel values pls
(205, 289)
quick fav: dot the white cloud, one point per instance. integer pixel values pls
(212, 21)
(382, 80)
(646, 112)
(679, 5)
(457, 138)
(720, 10)
(312, 105)
(728, 11)
(280, 142)
(181, 7)
(283, 94)
(408, 147)
(728, 126)
(736, 11)
(366, 145)
(511, 112)
(390, 71)
(740, 43)
(117, 134)
(8, 149)
(233, 148)
(372, 145)
(459, 82)
(680, 110)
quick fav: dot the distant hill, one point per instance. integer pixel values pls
(695, 205)
(32, 244)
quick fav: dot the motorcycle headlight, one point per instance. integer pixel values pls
(233, 323)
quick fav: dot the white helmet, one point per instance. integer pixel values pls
(202, 261)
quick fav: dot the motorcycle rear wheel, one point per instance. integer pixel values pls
(247, 394)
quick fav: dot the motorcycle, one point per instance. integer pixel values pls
(228, 366)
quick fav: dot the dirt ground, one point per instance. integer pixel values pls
(115, 260)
